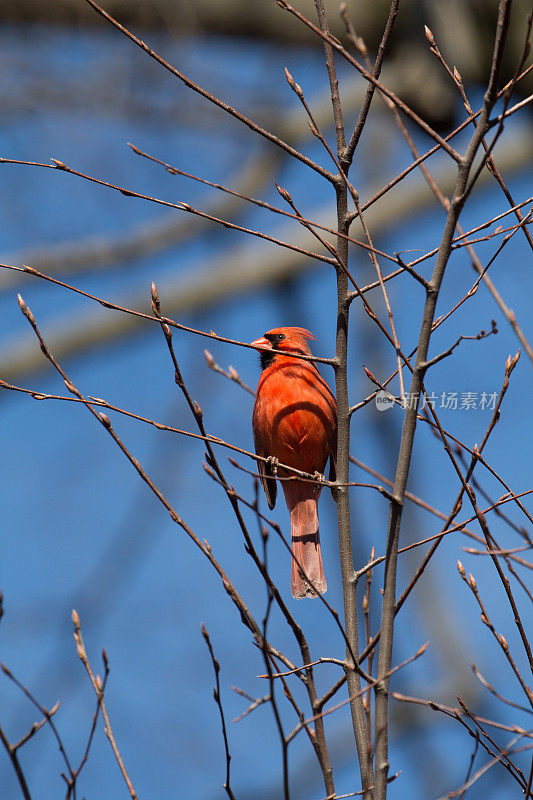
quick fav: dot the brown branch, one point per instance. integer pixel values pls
(182, 206)
(343, 437)
(98, 690)
(274, 594)
(212, 99)
(365, 108)
(246, 616)
(390, 185)
(13, 757)
(409, 427)
(502, 641)
(334, 44)
(493, 691)
(218, 701)
(153, 318)
(231, 373)
(260, 203)
(48, 715)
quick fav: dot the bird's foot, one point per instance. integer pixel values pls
(273, 462)
(319, 477)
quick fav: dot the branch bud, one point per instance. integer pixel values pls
(209, 471)
(421, 650)
(155, 299)
(503, 642)
(284, 193)
(292, 83)
(360, 43)
(514, 360)
(54, 709)
(233, 372)
(461, 569)
(209, 358)
(25, 310)
(370, 375)
(59, 164)
(472, 582)
(461, 703)
(429, 36)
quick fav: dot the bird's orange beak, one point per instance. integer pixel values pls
(262, 342)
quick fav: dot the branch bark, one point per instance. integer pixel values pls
(362, 738)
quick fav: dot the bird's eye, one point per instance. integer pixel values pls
(275, 338)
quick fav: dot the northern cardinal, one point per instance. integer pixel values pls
(295, 422)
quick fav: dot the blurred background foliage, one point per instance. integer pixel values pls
(79, 528)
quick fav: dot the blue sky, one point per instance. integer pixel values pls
(80, 529)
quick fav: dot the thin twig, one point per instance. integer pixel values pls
(98, 690)
(218, 701)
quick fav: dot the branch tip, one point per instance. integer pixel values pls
(284, 193)
(429, 36)
(54, 708)
(6, 671)
(294, 86)
(155, 296)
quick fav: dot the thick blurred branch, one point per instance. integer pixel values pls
(462, 28)
(241, 270)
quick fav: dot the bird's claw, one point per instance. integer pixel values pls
(273, 462)
(319, 477)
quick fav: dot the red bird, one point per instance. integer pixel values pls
(295, 422)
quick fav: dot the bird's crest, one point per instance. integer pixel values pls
(302, 332)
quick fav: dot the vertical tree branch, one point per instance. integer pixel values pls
(361, 733)
(409, 426)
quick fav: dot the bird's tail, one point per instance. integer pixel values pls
(307, 557)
